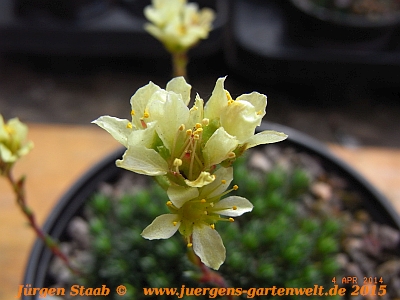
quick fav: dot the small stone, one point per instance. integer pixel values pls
(353, 244)
(78, 229)
(342, 260)
(260, 161)
(357, 229)
(389, 268)
(389, 237)
(322, 190)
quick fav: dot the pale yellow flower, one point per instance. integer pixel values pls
(240, 117)
(177, 24)
(13, 142)
(194, 213)
(165, 137)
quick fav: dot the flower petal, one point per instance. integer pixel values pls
(265, 137)
(143, 137)
(140, 101)
(217, 102)
(207, 244)
(219, 145)
(170, 112)
(118, 128)
(142, 160)
(163, 227)
(259, 101)
(179, 195)
(179, 85)
(216, 187)
(240, 119)
(233, 206)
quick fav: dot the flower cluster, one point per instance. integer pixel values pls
(13, 135)
(191, 151)
(177, 24)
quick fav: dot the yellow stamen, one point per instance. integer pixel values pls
(169, 203)
(234, 207)
(182, 127)
(129, 125)
(175, 223)
(212, 226)
(198, 125)
(235, 187)
(203, 200)
(205, 122)
(189, 245)
(259, 112)
(132, 112)
(231, 220)
(146, 115)
(206, 212)
(189, 132)
(223, 181)
(230, 100)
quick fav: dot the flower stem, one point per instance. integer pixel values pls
(179, 64)
(19, 190)
(208, 276)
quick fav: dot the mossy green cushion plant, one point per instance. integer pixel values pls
(275, 245)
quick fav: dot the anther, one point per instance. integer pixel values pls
(189, 132)
(196, 136)
(198, 125)
(189, 245)
(231, 220)
(231, 155)
(205, 122)
(203, 200)
(146, 115)
(234, 207)
(223, 181)
(129, 125)
(132, 112)
(175, 223)
(169, 203)
(212, 226)
(235, 187)
(182, 127)
(259, 112)
(206, 212)
(177, 162)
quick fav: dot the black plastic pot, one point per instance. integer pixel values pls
(276, 42)
(105, 171)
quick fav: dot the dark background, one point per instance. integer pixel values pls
(334, 100)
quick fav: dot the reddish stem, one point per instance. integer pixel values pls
(19, 190)
(209, 276)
